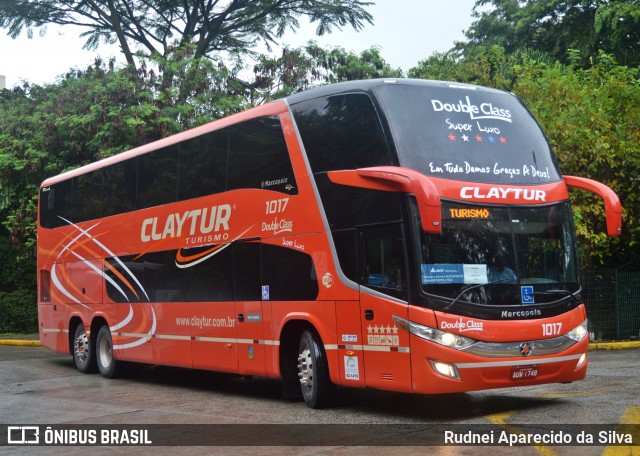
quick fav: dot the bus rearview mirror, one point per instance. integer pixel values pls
(398, 179)
(612, 206)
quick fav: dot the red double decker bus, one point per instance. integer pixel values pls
(403, 235)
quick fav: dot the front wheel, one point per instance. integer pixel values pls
(313, 371)
(84, 355)
(107, 363)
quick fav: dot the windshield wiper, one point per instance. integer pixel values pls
(473, 287)
(558, 291)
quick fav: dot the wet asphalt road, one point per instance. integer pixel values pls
(40, 387)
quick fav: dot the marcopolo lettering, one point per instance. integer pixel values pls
(521, 313)
(503, 193)
(197, 221)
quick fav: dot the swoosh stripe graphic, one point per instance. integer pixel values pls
(124, 322)
(56, 281)
(142, 339)
(73, 243)
(119, 275)
(106, 249)
(183, 259)
(180, 259)
(143, 324)
(102, 274)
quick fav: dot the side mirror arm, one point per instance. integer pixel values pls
(398, 179)
(612, 206)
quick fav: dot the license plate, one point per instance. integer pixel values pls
(524, 372)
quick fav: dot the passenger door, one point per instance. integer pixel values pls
(249, 295)
(382, 274)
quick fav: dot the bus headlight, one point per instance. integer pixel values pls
(445, 369)
(435, 335)
(579, 332)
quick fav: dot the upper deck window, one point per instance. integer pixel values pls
(252, 154)
(467, 134)
(341, 132)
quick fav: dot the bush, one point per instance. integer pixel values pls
(18, 312)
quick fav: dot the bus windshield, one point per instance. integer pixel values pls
(500, 255)
(467, 133)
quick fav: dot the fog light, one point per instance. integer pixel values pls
(448, 370)
(582, 360)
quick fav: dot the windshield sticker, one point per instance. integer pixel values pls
(442, 274)
(472, 124)
(527, 295)
(476, 112)
(495, 169)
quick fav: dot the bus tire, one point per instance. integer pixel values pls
(84, 354)
(107, 363)
(313, 371)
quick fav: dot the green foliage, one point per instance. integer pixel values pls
(591, 117)
(18, 312)
(479, 66)
(301, 68)
(18, 308)
(556, 26)
(86, 116)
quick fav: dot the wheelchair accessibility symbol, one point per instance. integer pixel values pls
(526, 295)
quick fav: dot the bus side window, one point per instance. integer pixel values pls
(246, 271)
(58, 198)
(203, 165)
(289, 274)
(120, 185)
(259, 158)
(210, 280)
(45, 287)
(87, 196)
(383, 259)
(158, 177)
(341, 132)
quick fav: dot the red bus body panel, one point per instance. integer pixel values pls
(363, 344)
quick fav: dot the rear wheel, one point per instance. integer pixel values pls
(83, 352)
(107, 363)
(313, 371)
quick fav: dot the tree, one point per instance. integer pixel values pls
(86, 116)
(557, 26)
(591, 117)
(164, 29)
(301, 68)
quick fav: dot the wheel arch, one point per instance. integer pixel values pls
(289, 338)
(74, 321)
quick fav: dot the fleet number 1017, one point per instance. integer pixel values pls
(551, 329)
(276, 206)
